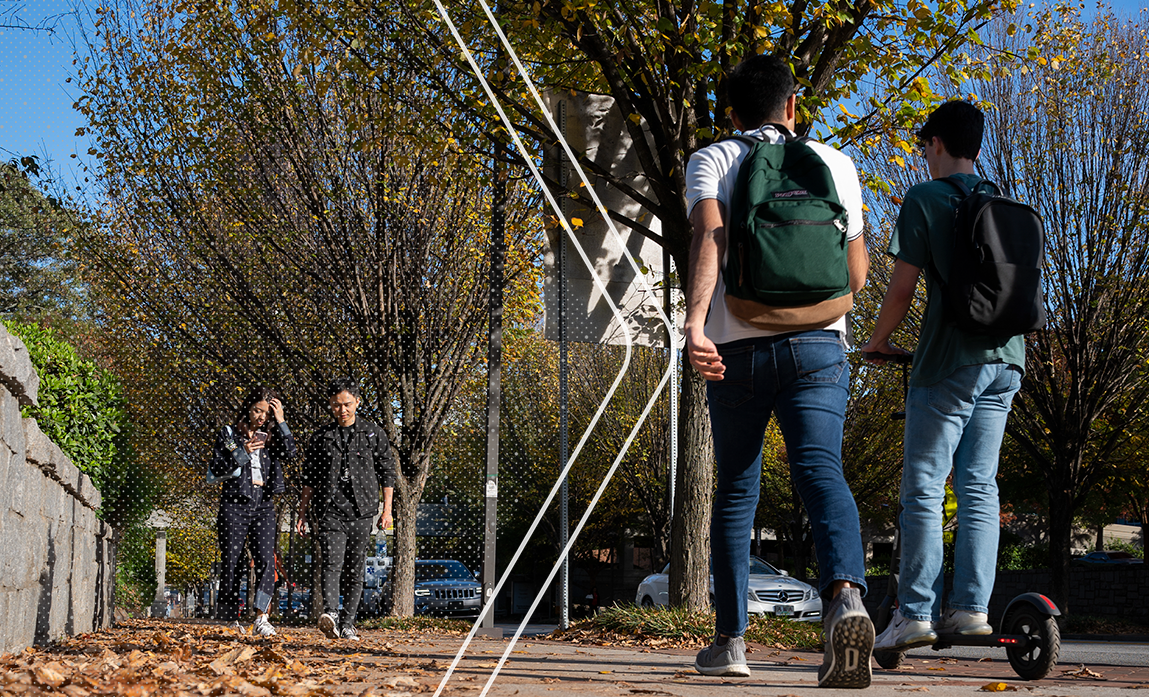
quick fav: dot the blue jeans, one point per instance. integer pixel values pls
(804, 379)
(955, 424)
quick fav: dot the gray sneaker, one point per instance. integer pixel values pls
(349, 634)
(329, 625)
(727, 659)
(849, 642)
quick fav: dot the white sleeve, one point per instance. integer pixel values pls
(849, 187)
(702, 178)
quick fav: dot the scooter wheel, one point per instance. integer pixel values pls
(1034, 661)
(889, 660)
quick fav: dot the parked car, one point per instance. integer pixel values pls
(300, 605)
(444, 587)
(772, 592)
(1107, 557)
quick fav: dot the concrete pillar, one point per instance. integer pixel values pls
(160, 603)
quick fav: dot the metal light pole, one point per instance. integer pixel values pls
(494, 380)
(564, 446)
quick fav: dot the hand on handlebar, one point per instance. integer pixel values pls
(881, 352)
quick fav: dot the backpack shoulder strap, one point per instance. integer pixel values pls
(749, 140)
(966, 191)
(961, 186)
(782, 130)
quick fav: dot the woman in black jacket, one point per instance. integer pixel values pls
(251, 455)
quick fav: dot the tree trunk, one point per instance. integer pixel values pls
(694, 485)
(406, 504)
(1060, 532)
(1100, 544)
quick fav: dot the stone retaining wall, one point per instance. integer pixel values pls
(1116, 592)
(57, 574)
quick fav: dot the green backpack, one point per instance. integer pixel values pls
(786, 267)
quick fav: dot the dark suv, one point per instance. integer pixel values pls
(446, 587)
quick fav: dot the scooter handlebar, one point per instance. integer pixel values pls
(901, 358)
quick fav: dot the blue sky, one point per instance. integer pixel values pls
(36, 115)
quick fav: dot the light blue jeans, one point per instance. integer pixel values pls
(955, 424)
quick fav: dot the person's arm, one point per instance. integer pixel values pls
(858, 261)
(894, 308)
(386, 521)
(304, 504)
(285, 444)
(309, 480)
(707, 248)
(227, 453)
(385, 470)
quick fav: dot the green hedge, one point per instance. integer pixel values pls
(82, 410)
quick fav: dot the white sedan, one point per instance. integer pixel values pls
(772, 592)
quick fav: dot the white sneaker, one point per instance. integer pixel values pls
(349, 634)
(329, 625)
(904, 634)
(263, 627)
(963, 622)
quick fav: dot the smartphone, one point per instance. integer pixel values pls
(259, 437)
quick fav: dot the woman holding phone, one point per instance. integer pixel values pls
(256, 446)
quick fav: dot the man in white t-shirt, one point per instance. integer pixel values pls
(801, 377)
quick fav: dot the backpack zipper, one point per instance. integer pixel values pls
(835, 222)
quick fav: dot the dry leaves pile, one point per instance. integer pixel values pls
(599, 636)
(149, 659)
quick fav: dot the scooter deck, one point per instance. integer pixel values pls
(945, 641)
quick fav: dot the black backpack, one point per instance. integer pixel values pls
(994, 286)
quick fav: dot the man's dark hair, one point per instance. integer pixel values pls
(758, 88)
(348, 384)
(960, 125)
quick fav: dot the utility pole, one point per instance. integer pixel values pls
(498, 253)
(564, 445)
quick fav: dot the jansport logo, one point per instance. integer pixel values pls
(796, 193)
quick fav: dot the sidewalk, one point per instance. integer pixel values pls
(189, 658)
(544, 668)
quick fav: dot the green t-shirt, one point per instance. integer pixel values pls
(924, 232)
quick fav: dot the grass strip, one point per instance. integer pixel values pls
(662, 626)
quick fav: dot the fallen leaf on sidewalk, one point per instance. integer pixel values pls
(985, 659)
(997, 687)
(49, 675)
(920, 688)
(935, 668)
(1082, 672)
(401, 681)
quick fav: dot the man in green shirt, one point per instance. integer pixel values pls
(961, 389)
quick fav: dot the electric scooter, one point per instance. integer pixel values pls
(1029, 632)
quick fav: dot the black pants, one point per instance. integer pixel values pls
(252, 522)
(343, 546)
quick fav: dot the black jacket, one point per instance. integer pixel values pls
(369, 462)
(229, 452)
